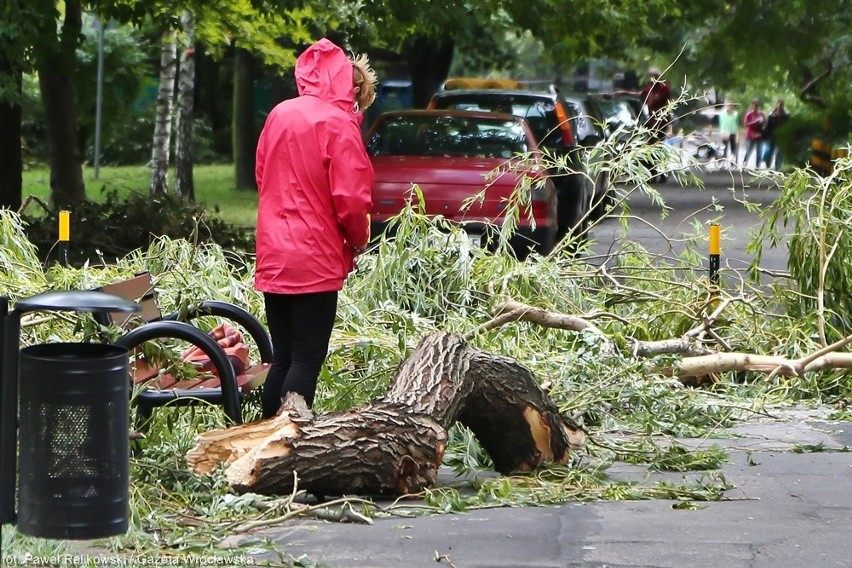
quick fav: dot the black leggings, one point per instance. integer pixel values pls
(731, 146)
(300, 326)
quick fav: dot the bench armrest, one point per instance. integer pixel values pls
(236, 314)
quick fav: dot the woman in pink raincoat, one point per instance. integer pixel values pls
(314, 181)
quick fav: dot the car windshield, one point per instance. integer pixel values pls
(412, 135)
(540, 113)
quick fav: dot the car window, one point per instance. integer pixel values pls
(539, 112)
(448, 136)
(586, 120)
(617, 112)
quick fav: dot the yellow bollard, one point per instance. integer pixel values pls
(64, 236)
(715, 251)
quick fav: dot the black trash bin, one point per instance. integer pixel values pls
(69, 429)
(74, 443)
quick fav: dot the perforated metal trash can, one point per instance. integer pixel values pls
(74, 443)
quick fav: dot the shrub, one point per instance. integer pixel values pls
(120, 225)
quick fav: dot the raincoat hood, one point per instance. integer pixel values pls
(324, 71)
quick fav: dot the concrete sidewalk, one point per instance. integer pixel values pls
(791, 508)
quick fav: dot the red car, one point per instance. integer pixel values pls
(452, 156)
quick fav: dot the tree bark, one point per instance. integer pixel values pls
(56, 68)
(394, 445)
(429, 62)
(208, 105)
(244, 131)
(163, 123)
(184, 182)
(11, 159)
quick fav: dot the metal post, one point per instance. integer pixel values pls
(715, 252)
(64, 236)
(10, 335)
(99, 96)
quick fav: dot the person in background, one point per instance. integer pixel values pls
(729, 123)
(776, 118)
(754, 121)
(314, 184)
(655, 95)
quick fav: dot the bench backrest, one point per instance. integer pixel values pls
(139, 289)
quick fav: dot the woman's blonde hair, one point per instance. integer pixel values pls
(365, 79)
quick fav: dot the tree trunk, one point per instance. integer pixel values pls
(208, 100)
(429, 63)
(184, 182)
(394, 445)
(244, 132)
(163, 122)
(56, 68)
(11, 161)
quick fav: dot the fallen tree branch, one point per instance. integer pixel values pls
(699, 360)
(722, 362)
(494, 322)
(323, 511)
(825, 350)
(30, 199)
(682, 346)
(517, 311)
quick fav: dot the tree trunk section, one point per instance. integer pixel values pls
(56, 68)
(11, 160)
(394, 445)
(245, 136)
(429, 63)
(207, 99)
(377, 450)
(163, 122)
(184, 182)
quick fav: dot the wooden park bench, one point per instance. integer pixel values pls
(221, 356)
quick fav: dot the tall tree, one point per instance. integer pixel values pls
(804, 46)
(184, 180)
(254, 36)
(244, 135)
(11, 161)
(56, 56)
(428, 33)
(163, 122)
(23, 21)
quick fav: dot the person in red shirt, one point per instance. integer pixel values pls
(314, 184)
(754, 121)
(656, 95)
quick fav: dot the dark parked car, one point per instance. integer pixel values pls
(619, 117)
(558, 124)
(638, 106)
(590, 127)
(453, 156)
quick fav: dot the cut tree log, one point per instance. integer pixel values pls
(395, 444)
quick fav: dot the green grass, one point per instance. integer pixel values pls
(214, 188)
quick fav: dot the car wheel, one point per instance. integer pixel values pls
(571, 205)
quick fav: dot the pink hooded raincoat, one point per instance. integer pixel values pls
(314, 180)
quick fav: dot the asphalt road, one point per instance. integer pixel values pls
(789, 510)
(720, 200)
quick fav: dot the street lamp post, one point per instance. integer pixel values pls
(99, 96)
